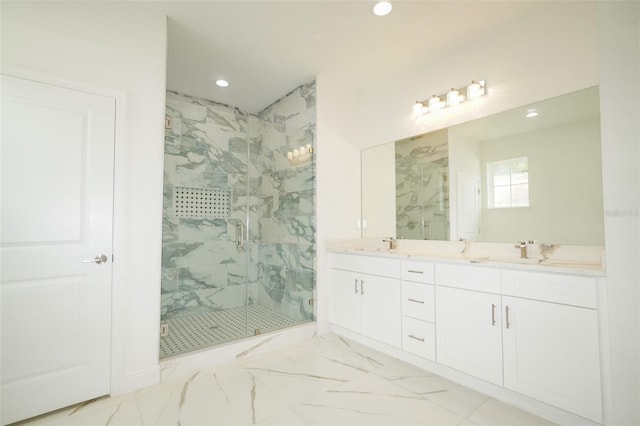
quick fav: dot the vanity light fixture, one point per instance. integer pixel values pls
(453, 97)
(222, 83)
(435, 103)
(532, 112)
(475, 89)
(300, 155)
(382, 8)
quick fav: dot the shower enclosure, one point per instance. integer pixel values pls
(422, 187)
(238, 220)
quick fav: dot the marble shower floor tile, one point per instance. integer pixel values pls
(326, 380)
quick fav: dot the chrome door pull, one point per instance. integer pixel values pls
(416, 338)
(361, 286)
(355, 286)
(506, 311)
(493, 315)
(239, 235)
(99, 259)
(416, 301)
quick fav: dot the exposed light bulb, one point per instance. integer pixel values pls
(454, 97)
(435, 103)
(419, 108)
(475, 90)
(382, 8)
(222, 83)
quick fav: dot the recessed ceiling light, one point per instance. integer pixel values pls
(382, 8)
(532, 113)
(222, 83)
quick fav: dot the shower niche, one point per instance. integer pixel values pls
(238, 221)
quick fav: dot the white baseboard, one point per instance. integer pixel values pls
(141, 379)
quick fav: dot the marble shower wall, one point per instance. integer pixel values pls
(286, 259)
(422, 188)
(211, 145)
(206, 147)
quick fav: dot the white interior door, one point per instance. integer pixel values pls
(468, 206)
(56, 212)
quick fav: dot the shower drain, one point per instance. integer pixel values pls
(203, 330)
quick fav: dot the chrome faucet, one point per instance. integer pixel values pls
(522, 245)
(393, 243)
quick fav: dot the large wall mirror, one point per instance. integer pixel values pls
(531, 173)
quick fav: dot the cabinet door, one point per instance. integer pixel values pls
(344, 309)
(381, 313)
(551, 354)
(468, 332)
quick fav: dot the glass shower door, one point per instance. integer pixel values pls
(204, 262)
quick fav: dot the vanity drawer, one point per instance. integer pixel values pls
(371, 265)
(347, 262)
(557, 288)
(469, 277)
(419, 338)
(421, 272)
(381, 266)
(418, 301)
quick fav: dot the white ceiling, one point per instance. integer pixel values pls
(267, 48)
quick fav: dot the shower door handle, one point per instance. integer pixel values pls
(239, 235)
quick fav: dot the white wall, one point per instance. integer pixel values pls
(379, 193)
(619, 43)
(119, 47)
(337, 178)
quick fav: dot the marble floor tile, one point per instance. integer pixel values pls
(373, 400)
(496, 413)
(325, 380)
(457, 398)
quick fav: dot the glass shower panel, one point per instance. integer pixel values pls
(204, 261)
(283, 253)
(286, 249)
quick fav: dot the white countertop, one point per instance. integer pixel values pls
(572, 260)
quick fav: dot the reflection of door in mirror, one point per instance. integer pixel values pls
(468, 207)
(422, 189)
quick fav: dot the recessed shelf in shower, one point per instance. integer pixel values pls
(201, 203)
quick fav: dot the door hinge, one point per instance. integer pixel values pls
(311, 301)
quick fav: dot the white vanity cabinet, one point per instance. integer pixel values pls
(533, 332)
(418, 309)
(365, 296)
(550, 340)
(468, 322)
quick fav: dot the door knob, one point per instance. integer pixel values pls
(99, 259)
